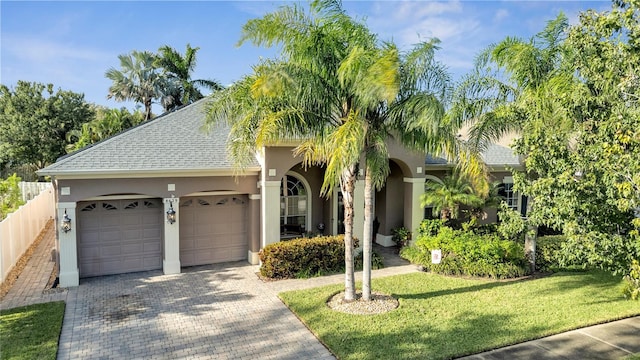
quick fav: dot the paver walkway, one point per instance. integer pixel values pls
(225, 312)
(30, 286)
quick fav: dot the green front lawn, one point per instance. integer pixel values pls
(442, 317)
(31, 332)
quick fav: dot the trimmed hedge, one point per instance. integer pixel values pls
(466, 253)
(302, 257)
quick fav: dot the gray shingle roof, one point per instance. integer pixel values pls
(498, 155)
(495, 155)
(171, 142)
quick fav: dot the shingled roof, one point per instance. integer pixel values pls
(171, 143)
(495, 156)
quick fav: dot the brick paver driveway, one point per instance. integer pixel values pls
(216, 311)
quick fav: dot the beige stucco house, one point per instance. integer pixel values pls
(117, 195)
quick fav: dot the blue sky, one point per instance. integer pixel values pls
(71, 44)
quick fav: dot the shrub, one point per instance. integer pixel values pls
(466, 253)
(377, 261)
(430, 227)
(401, 236)
(632, 282)
(302, 257)
(611, 252)
(550, 254)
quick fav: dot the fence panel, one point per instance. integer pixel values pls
(21, 228)
(30, 190)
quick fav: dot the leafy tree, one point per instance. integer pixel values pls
(139, 79)
(34, 122)
(446, 197)
(108, 122)
(178, 69)
(515, 88)
(10, 196)
(602, 174)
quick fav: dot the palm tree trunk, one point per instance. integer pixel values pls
(367, 240)
(347, 185)
(147, 109)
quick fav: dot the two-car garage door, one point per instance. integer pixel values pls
(121, 236)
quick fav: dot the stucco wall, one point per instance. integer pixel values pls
(82, 189)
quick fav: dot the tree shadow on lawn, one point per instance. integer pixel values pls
(466, 334)
(574, 280)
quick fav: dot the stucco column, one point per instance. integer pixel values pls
(413, 212)
(270, 212)
(171, 261)
(254, 229)
(69, 275)
(358, 211)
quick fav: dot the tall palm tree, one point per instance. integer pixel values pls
(179, 67)
(308, 97)
(138, 79)
(414, 118)
(515, 88)
(342, 94)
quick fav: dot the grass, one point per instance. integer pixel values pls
(31, 332)
(442, 317)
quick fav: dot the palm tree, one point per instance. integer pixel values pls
(415, 118)
(107, 123)
(446, 197)
(307, 96)
(515, 88)
(179, 67)
(139, 80)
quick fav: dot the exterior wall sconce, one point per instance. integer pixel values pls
(65, 224)
(171, 214)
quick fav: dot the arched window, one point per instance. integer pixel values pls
(294, 204)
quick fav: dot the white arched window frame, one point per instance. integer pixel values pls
(295, 202)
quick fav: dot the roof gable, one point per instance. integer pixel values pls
(172, 142)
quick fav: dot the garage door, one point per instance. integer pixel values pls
(213, 229)
(119, 236)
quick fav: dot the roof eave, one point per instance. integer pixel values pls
(151, 173)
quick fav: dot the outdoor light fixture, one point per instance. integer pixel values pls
(171, 214)
(65, 225)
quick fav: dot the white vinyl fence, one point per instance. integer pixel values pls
(21, 228)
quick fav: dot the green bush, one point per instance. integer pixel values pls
(466, 253)
(302, 257)
(377, 261)
(632, 282)
(430, 227)
(401, 236)
(550, 255)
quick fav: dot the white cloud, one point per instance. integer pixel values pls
(44, 51)
(447, 30)
(500, 15)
